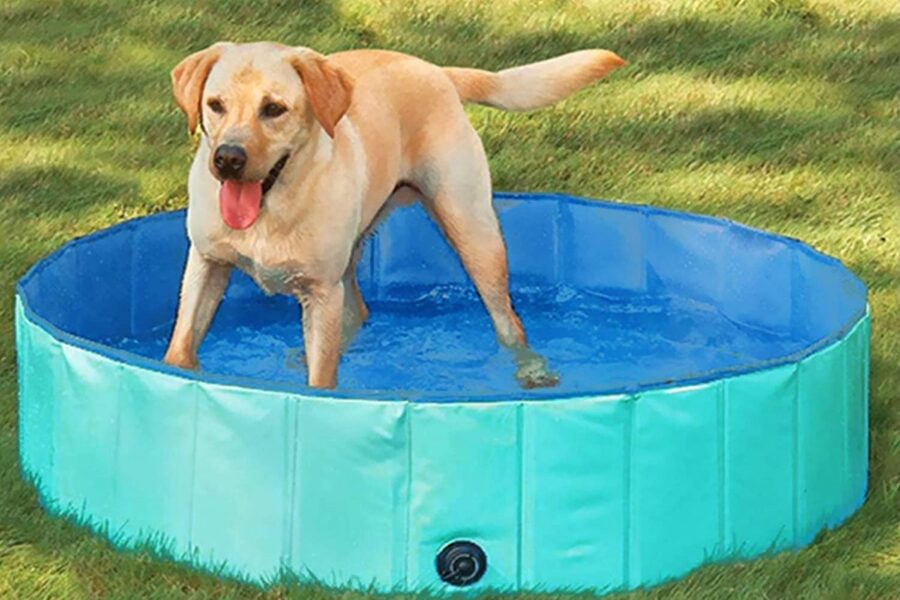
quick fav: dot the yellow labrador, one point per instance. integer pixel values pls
(300, 157)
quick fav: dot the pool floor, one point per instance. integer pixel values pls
(443, 343)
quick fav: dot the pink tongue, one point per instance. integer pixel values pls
(239, 203)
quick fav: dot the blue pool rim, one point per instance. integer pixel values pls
(155, 365)
(602, 490)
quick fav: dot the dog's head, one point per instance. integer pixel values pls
(257, 104)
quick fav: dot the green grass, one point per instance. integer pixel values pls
(783, 114)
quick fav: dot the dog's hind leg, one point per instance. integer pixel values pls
(202, 286)
(457, 193)
(355, 310)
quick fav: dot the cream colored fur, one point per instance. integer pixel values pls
(365, 131)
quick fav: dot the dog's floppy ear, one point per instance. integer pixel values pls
(328, 87)
(188, 79)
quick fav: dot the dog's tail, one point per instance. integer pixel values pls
(536, 85)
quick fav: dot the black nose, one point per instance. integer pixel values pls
(230, 161)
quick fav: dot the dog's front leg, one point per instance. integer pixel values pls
(202, 287)
(323, 307)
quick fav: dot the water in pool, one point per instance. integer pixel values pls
(442, 343)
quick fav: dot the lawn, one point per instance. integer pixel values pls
(783, 114)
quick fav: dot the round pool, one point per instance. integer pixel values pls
(712, 405)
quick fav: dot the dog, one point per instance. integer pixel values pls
(302, 155)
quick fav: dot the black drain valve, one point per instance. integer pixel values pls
(461, 563)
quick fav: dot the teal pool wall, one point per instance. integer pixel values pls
(613, 489)
(602, 492)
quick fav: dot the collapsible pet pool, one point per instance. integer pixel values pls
(713, 405)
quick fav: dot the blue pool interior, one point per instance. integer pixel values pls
(617, 297)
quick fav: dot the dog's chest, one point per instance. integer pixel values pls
(284, 278)
(281, 260)
(276, 268)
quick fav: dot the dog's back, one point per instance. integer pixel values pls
(525, 87)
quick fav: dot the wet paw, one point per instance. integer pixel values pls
(534, 373)
(182, 360)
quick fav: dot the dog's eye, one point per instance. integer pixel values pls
(270, 110)
(216, 106)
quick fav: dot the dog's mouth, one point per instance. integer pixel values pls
(240, 201)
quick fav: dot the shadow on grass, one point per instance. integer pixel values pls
(34, 191)
(861, 61)
(712, 134)
(82, 74)
(76, 102)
